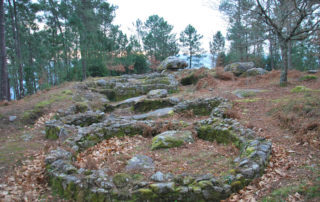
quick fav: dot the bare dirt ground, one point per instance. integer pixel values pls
(292, 175)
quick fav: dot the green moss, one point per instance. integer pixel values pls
(248, 100)
(145, 195)
(56, 185)
(203, 109)
(224, 136)
(171, 91)
(307, 106)
(38, 110)
(171, 113)
(80, 196)
(188, 180)
(31, 116)
(148, 105)
(188, 80)
(137, 177)
(87, 172)
(232, 171)
(195, 188)
(121, 179)
(43, 104)
(308, 77)
(169, 143)
(81, 107)
(282, 193)
(205, 183)
(236, 186)
(108, 108)
(70, 191)
(67, 92)
(299, 89)
(52, 133)
(249, 150)
(161, 80)
(245, 93)
(93, 138)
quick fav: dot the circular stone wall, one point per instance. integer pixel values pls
(95, 185)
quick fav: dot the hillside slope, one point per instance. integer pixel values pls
(288, 116)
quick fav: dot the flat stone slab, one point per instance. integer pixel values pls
(129, 102)
(156, 113)
(139, 163)
(243, 93)
(158, 93)
(171, 139)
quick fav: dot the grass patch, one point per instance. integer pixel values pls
(281, 194)
(301, 115)
(67, 92)
(308, 78)
(299, 89)
(30, 116)
(248, 100)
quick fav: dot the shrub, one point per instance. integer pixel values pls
(308, 78)
(299, 89)
(222, 75)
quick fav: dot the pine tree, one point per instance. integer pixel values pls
(190, 39)
(158, 39)
(5, 89)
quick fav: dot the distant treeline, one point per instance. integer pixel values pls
(47, 42)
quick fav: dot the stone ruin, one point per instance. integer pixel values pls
(94, 118)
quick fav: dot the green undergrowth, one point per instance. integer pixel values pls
(248, 100)
(308, 78)
(40, 108)
(281, 194)
(308, 105)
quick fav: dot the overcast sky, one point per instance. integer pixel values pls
(178, 13)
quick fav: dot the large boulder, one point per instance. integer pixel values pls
(158, 93)
(255, 72)
(172, 63)
(171, 139)
(239, 68)
(140, 163)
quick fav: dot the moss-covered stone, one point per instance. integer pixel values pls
(249, 150)
(145, 194)
(121, 179)
(81, 107)
(148, 105)
(188, 180)
(221, 135)
(205, 183)
(195, 188)
(189, 80)
(52, 132)
(236, 186)
(171, 139)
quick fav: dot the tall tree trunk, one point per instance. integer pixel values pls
(289, 54)
(17, 45)
(271, 53)
(5, 92)
(190, 59)
(284, 53)
(83, 50)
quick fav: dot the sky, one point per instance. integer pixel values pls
(178, 13)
